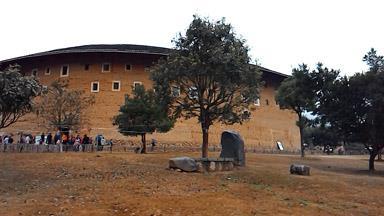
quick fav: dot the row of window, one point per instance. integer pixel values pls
(64, 69)
(95, 86)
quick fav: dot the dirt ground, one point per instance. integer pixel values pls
(131, 184)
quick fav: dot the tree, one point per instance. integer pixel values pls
(63, 108)
(320, 135)
(208, 75)
(335, 107)
(297, 93)
(354, 106)
(16, 95)
(141, 114)
(371, 87)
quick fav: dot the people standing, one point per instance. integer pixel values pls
(77, 144)
(42, 138)
(153, 144)
(27, 139)
(49, 139)
(57, 136)
(5, 142)
(85, 141)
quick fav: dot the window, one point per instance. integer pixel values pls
(175, 91)
(116, 86)
(34, 72)
(137, 83)
(48, 71)
(128, 67)
(267, 102)
(94, 86)
(106, 67)
(86, 67)
(246, 114)
(192, 93)
(64, 71)
(257, 102)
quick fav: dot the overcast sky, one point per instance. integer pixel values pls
(280, 33)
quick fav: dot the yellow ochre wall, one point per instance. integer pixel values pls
(267, 125)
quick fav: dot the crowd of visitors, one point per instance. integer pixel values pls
(64, 140)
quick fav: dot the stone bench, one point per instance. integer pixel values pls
(216, 164)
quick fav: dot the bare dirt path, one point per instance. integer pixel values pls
(130, 184)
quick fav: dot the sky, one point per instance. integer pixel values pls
(281, 34)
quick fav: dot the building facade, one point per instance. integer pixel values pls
(110, 71)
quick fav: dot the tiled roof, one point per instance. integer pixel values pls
(97, 48)
(114, 48)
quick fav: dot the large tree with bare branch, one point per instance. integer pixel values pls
(63, 108)
(16, 95)
(208, 76)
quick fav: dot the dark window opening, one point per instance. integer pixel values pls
(128, 67)
(116, 86)
(106, 67)
(175, 91)
(95, 87)
(86, 67)
(64, 71)
(267, 102)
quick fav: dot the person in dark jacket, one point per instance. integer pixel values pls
(42, 139)
(49, 139)
(85, 139)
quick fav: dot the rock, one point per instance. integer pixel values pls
(300, 169)
(232, 146)
(184, 163)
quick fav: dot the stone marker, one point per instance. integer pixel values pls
(299, 169)
(184, 163)
(232, 146)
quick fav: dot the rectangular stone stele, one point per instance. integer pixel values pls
(232, 146)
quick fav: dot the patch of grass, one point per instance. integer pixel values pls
(261, 186)
(303, 202)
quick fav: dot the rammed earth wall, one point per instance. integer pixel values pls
(268, 123)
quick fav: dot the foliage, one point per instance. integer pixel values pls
(16, 95)
(142, 114)
(297, 93)
(354, 106)
(63, 108)
(371, 119)
(320, 135)
(211, 69)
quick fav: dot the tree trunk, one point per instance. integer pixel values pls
(205, 143)
(205, 123)
(302, 142)
(372, 157)
(143, 143)
(301, 127)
